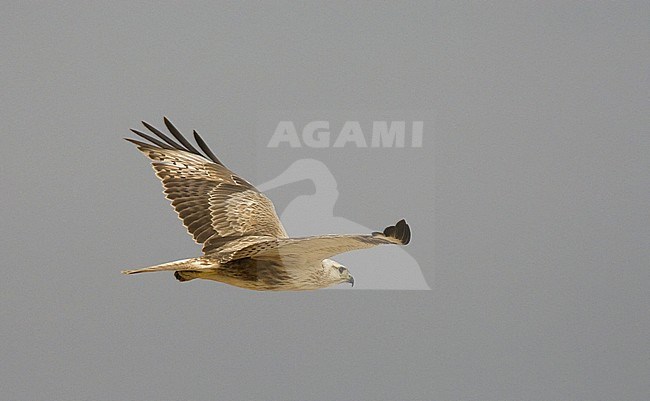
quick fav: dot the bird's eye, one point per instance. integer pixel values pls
(341, 269)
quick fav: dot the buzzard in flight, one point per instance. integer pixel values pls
(244, 243)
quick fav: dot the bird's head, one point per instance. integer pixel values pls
(337, 273)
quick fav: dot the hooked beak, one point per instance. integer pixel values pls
(351, 280)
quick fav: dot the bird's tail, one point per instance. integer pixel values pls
(192, 264)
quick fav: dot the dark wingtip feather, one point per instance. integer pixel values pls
(168, 143)
(162, 136)
(389, 231)
(205, 148)
(136, 142)
(400, 231)
(178, 135)
(151, 139)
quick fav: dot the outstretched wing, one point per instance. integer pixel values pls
(317, 247)
(215, 205)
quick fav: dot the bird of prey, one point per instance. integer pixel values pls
(244, 243)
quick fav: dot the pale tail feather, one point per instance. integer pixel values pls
(185, 264)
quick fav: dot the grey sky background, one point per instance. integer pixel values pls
(528, 200)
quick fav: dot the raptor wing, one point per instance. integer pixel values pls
(215, 205)
(316, 247)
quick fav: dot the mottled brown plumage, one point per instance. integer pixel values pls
(244, 243)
